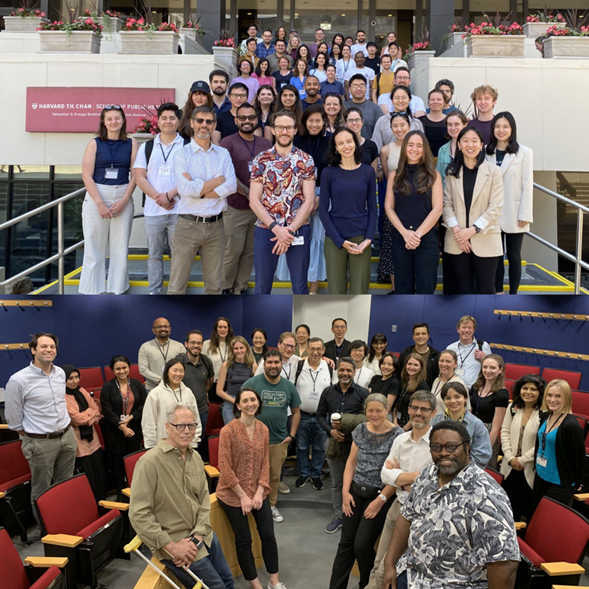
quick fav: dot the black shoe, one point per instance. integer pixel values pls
(243, 291)
(300, 482)
(227, 291)
(317, 484)
(391, 293)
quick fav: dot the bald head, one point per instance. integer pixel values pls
(161, 329)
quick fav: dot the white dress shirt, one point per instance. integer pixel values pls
(311, 383)
(468, 366)
(363, 376)
(415, 104)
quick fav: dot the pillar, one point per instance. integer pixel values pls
(439, 18)
(210, 20)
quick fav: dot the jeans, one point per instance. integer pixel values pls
(212, 569)
(159, 229)
(513, 248)
(204, 416)
(416, 271)
(310, 434)
(336, 472)
(227, 412)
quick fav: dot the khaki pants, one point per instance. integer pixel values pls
(277, 458)
(239, 248)
(339, 260)
(189, 239)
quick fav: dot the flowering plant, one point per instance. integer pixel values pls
(25, 12)
(488, 28)
(226, 39)
(560, 31)
(421, 46)
(147, 124)
(111, 13)
(84, 23)
(546, 16)
(195, 25)
(140, 24)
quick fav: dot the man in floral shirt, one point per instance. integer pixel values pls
(456, 527)
(282, 195)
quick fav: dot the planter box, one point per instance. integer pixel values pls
(226, 56)
(571, 47)
(455, 39)
(75, 42)
(495, 46)
(142, 137)
(536, 29)
(17, 24)
(111, 25)
(419, 57)
(162, 42)
(191, 33)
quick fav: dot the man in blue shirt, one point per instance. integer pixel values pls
(331, 85)
(266, 47)
(219, 80)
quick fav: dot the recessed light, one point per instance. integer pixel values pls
(343, 15)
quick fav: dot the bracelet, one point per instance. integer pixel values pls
(272, 225)
(168, 197)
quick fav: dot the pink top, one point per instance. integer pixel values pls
(268, 80)
(88, 417)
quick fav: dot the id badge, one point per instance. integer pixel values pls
(542, 461)
(315, 172)
(111, 173)
(459, 372)
(163, 172)
(123, 417)
(399, 416)
(250, 165)
(314, 396)
(299, 240)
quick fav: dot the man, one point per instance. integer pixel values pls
(403, 78)
(384, 81)
(319, 38)
(282, 194)
(37, 411)
(360, 44)
(266, 47)
(198, 373)
(226, 126)
(396, 54)
(205, 177)
(409, 455)
(331, 85)
(313, 376)
(339, 346)
(344, 397)
(153, 167)
(447, 87)
(359, 69)
(278, 395)
(250, 54)
(484, 99)
(286, 347)
(219, 80)
(370, 112)
(274, 57)
(171, 517)
(373, 60)
(240, 220)
(456, 527)
(470, 352)
(252, 33)
(312, 88)
(154, 354)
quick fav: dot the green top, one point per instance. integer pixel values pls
(276, 398)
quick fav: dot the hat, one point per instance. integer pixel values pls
(200, 86)
(292, 31)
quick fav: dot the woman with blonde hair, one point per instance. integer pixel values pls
(413, 378)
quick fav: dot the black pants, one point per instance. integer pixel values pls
(520, 495)
(512, 246)
(416, 271)
(93, 467)
(243, 538)
(117, 462)
(561, 493)
(473, 274)
(358, 538)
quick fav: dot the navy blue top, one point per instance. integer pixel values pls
(112, 153)
(335, 88)
(347, 203)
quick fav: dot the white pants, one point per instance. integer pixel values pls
(102, 236)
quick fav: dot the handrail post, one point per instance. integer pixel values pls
(579, 251)
(60, 248)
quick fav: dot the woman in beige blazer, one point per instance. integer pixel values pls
(518, 441)
(473, 197)
(516, 164)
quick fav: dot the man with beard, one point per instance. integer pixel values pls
(219, 80)
(290, 362)
(226, 126)
(278, 394)
(456, 526)
(312, 88)
(243, 147)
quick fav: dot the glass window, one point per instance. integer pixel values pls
(29, 173)
(261, 12)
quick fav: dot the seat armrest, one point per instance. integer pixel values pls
(581, 496)
(212, 471)
(558, 569)
(213, 498)
(126, 492)
(520, 525)
(64, 540)
(46, 561)
(2, 494)
(3, 426)
(114, 505)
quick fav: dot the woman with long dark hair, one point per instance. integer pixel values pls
(335, 54)
(280, 35)
(376, 350)
(259, 348)
(262, 74)
(387, 382)
(300, 71)
(335, 112)
(264, 103)
(217, 348)
(198, 95)
(319, 65)
(344, 63)
(413, 378)
(303, 53)
(289, 99)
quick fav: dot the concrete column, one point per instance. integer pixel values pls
(210, 13)
(418, 29)
(439, 19)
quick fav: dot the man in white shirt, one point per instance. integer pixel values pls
(153, 167)
(470, 352)
(252, 33)
(360, 44)
(402, 78)
(204, 176)
(409, 454)
(286, 346)
(359, 68)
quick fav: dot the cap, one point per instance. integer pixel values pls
(292, 31)
(200, 86)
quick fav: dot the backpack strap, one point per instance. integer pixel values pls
(299, 370)
(148, 151)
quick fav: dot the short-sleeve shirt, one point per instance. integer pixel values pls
(196, 376)
(282, 183)
(484, 407)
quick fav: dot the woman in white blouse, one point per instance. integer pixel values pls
(216, 350)
(358, 350)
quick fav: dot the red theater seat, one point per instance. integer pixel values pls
(214, 421)
(130, 462)
(212, 468)
(515, 371)
(573, 378)
(496, 476)
(509, 386)
(580, 403)
(91, 378)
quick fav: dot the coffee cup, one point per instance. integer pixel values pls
(336, 419)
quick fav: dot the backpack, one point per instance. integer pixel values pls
(300, 369)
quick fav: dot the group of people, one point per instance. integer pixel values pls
(291, 167)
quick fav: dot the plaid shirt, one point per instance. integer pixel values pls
(262, 52)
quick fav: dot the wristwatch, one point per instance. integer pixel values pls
(383, 497)
(272, 225)
(477, 228)
(198, 543)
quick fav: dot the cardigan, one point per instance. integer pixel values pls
(90, 416)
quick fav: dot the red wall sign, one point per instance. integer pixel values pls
(77, 110)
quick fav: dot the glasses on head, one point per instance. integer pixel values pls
(112, 107)
(201, 121)
(399, 114)
(451, 448)
(420, 409)
(182, 426)
(243, 118)
(288, 129)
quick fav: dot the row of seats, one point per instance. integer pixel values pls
(93, 378)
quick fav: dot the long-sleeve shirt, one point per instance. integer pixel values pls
(89, 416)
(35, 401)
(152, 359)
(333, 400)
(201, 166)
(170, 499)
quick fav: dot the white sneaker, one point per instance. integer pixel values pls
(279, 586)
(277, 517)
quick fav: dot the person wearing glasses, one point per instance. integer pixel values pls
(282, 195)
(205, 177)
(226, 125)
(107, 211)
(357, 84)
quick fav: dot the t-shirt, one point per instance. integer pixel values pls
(390, 386)
(306, 104)
(484, 127)
(373, 63)
(226, 124)
(484, 407)
(281, 80)
(276, 399)
(369, 152)
(435, 131)
(359, 47)
(384, 83)
(319, 74)
(416, 103)
(195, 378)
(252, 86)
(371, 114)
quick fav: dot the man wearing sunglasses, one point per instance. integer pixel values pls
(170, 507)
(456, 526)
(240, 220)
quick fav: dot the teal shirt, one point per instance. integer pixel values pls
(444, 160)
(549, 473)
(276, 398)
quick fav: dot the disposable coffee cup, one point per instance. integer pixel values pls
(336, 418)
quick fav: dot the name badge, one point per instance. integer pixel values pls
(123, 417)
(111, 173)
(299, 240)
(163, 172)
(541, 461)
(459, 372)
(250, 165)
(314, 396)
(315, 172)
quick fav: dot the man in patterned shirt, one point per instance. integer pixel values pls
(456, 527)
(282, 195)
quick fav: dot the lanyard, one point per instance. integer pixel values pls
(463, 360)
(359, 373)
(346, 66)
(169, 152)
(547, 431)
(338, 350)
(125, 399)
(253, 149)
(219, 348)
(113, 155)
(165, 356)
(175, 396)
(316, 376)
(289, 371)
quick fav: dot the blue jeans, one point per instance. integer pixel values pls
(402, 581)
(213, 569)
(158, 230)
(203, 422)
(310, 434)
(227, 412)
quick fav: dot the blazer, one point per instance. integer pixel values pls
(330, 349)
(487, 200)
(517, 172)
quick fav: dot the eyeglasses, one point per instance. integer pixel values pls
(287, 128)
(288, 346)
(402, 78)
(420, 409)
(357, 86)
(234, 95)
(163, 326)
(451, 448)
(243, 118)
(358, 120)
(200, 121)
(112, 107)
(182, 426)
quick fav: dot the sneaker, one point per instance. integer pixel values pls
(283, 488)
(317, 484)
(277, 516)
(300, 482)
(333, 526)
(279, 586)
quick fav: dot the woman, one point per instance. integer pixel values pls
(369, 150)
(322, 47)
(455, 122)
(239, 367)
(122, 400)
(349, 41)
(421, 337)
(447, 363)
(246, 69)
(170, 391)
(335, 54)
(386, 383)
(413, 204)
(280, 35)
(264, 104)
(489, 399)
(365, 499)
(434, 122)
(347, 208)
(302, 333)
(262, 74)
(107, 212)
(244, 485)
(344, 64)
(338, 39)
(335, 112)
(198, 95)
(288, 98)
(413, 377)
(283, 75)
(455, 396)
(560, 447)
(363, 375)
(319, 65)
(300, 71)
(518, 442)
(398, 101)
(85, 414)
(259, 347)
(516, 164)
(376, 350)
(473, 238)
(292, 48)
(391, 38)
(216, 349)
(303, 53)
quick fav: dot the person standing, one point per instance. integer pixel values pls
(370, 111)
(252, 33)
(363, 375)
(226, 126)
(330, 85)
(266, 47)
(360, 69)
(448, 362)
(36, 409)
(421, 336)
(373, 60)
(339, 346)
(312, 95)
(216, 349)
(484, 99)
(246, 69)
(205, 177)
(360, 44)
(274, 58)
(290, 361)
(319, 38)
(413, 378)
(218, 81)
(434, 122)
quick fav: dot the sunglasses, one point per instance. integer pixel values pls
(112, 107)
(244, 118)
(200, 121)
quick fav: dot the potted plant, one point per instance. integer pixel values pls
(147, 127)
(191, 28)
(142, 35)
(111, 21)
(457, 33)
(418, 53)
(495, 39)
(571, 40)
(24, 20)
(538, 23)
(225, 50)
(76, 35)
